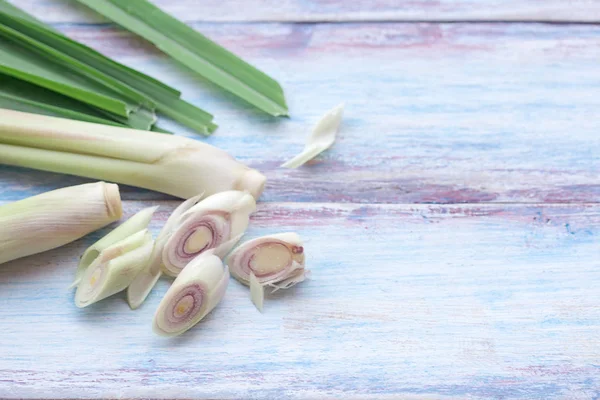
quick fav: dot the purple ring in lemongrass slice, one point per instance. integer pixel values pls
(210, 224)
(195, 292)
(276, 261)
(114, 269)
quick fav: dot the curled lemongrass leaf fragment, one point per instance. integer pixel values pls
(55, 218)
(276, 261)
(149, 275)
(133, 225)
(210, 224)
(196, 292)
(322, 137)
(114, 269)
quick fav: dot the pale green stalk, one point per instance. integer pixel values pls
(55, 218)
(170, 164)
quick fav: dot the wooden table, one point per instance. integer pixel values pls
(453, 231)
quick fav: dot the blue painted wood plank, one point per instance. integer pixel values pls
(344, 10)
(435, 113)
(477, 301)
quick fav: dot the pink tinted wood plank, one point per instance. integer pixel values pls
(345, 10)
(435, 113)
(464, 301)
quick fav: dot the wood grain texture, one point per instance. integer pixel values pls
(477, 301)
(346, 10)
(435, 113)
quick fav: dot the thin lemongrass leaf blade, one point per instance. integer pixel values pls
(237, 80)
(321, 138)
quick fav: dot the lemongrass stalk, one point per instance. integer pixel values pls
(212, 223)
(55, 218)
(114, 269)
(149, 275)
(322, 137)
(196, 292)
(170, 164)
(138, 222)
(276, 261)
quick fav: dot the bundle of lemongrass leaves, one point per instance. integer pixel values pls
(44, 72)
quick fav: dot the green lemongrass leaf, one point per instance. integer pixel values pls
(195, 51)
(166, 98)
(22, 96)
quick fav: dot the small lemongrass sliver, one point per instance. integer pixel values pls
(114, 269)
(322, 137)
(195, 292)
(149, 275)
(276, 261)
(257, 292)
(138, 222)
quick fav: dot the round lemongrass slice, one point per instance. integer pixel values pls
(210, 224)
(195, 292)
(114, 269)
(275, 260)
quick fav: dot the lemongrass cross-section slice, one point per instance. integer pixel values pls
(276, 261)
(149, 275)
(322, 137)
(138, 222)
(114, 269)
(210, 224)
(196, 292)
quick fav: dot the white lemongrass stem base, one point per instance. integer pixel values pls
(275, 260)
(114, 269)
(55, 218)
(170, 164)
(196, 291)
(138, 222)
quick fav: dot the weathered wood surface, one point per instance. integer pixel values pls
(478, 301)
(347, 10)
(434, 112)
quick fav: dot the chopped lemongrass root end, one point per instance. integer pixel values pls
(196, 292)
(257, 292)
(322, 137)
(53, 219)
(210, 224)
(138, 222)
(114, 269)
(276, 261)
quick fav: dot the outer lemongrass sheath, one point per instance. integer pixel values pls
(169, 164)
(216, 223)
(195, 292)
(322, 137)
(115, 268)
(133, 225)
(55, 218)
(276, 261)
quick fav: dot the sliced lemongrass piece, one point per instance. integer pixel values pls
(210, 224)
(276, 261)
(169, 164)
(196, 292)
(138, 222)
(146, 279)
(322, 137)
(114, 269)
(55, 218)
(257, 292)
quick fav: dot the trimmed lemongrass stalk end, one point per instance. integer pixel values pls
(55, 218)
(114, 269)
(138, 222)
(276, 261)
(210, 224)
(196, 291)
